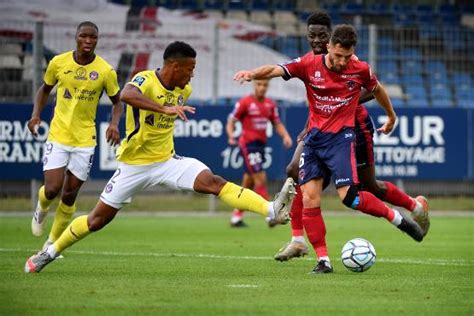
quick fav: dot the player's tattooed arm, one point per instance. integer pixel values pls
(133, 96)
(383, 99)
(262, 72)
(41, 99)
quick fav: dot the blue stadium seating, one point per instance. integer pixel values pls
(397, 102)
(442, 103)
(412, 79)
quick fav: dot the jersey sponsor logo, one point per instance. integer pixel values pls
(180, 100)
(67, 94)
(139, 80)
(81, 74)
(317, 77)
(94, 75)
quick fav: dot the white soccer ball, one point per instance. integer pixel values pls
(358, 255)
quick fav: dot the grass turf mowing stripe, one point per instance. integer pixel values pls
(438, 262)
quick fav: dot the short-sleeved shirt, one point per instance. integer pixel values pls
(332, 96)
(254, 116)
(78, 93)
(149, 136)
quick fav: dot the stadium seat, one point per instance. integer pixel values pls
(352, 8)
(215, 14)
(460, 78)
(237, 15)
(261, 17)
(465, 103)
(410, 53)
(389, 77)
(411, 67)
(415, 92)
(378, 9)
(239, 5)
(412, 79)
(418, 102)
(398, 102)
(440, 91)
(10, 61)
(284, 5)
(423, 9)
(11, 49)
(263, 5)
(442, 103)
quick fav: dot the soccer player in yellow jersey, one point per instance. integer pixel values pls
(147, 157)
(81, 76)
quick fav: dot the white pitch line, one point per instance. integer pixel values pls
(428, 261)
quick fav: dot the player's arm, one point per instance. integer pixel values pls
(230, 129)
(262, 72)
(281, 130)
(383, 99)
(113, 134)
(366, 96)
(41, 99)
(133, 96)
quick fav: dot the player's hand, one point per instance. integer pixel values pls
(112, 135)
(181, 110)
(232, 141)
(388, 126)
(242, 76)
(33, 125)
(287, 142)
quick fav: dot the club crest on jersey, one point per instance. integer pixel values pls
(139, 80)
(94, 75)
(180, 100)
(81, 74)
(351, 85)
(169, 98)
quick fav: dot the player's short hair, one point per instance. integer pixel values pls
(179, 50)
(87, 23)
(319, 18)
(344, 35)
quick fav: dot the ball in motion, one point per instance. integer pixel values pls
(358, 255)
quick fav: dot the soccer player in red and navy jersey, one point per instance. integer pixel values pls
(318, 34)
(254, 113)
(333, 83)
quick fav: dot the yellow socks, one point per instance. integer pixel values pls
(61, 220)
(43, 201)
(77, 230)
(244, 199)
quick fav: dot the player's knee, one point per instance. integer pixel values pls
(292, 171)
(96, 222)
(69, 196)
(213, 185)
(311, 200)
(376, 188)
(52, 191)
(352, 197)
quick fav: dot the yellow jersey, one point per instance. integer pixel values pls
(77, 97)
(149, 136)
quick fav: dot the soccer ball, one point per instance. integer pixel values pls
(358, 255)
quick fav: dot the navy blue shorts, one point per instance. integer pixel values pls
(328, 154)
(364, 131)
(254, 156)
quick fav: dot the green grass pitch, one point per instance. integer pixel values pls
(199, 266)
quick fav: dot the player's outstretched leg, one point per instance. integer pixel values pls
(245, 199)
(388, 192)
(79, 228)
(367, 203)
